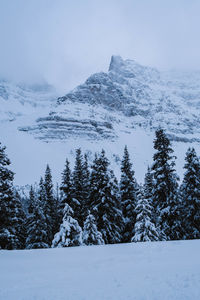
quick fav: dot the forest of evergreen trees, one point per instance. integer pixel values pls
(92, 208)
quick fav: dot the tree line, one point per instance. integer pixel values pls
(92, 208)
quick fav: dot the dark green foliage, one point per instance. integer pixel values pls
(31, 200)
(66, 190)
(128, 192)
(37, 234)
(144, 229)
(86, 188)
(70, 233)
(104, 203)
(91, 235)
(19, 223)
(165, 191)
(50, 208)
(190, 195)
(78, 195)
(148, 185)
(11, 217)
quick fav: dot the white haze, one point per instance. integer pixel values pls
(63, 42)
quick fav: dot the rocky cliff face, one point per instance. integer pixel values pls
(122, 106)
(129, 94)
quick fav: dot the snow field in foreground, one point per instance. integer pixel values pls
(159, 270)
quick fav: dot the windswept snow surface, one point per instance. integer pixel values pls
(159, 270)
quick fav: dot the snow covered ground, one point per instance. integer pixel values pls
(159, 270)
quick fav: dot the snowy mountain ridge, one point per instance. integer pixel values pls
(140, 96)
(122, 106)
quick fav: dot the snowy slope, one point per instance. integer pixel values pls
(159, 270)
(122, 106)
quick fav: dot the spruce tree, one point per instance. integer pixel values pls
(148, 185)
(42, 195)
(86, 188)
(148, 192)
(165, 191)
(144, 229)
(37, 236)
(103, 200)
(19, 222)
(190, 196)
(50, 209)
(31, 200)
(9, 238)
(66, 188)
(78, 199)
(57, 200)
(128, 192)
(91, 235)
(70, 233)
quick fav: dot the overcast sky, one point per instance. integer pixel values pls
(63, 42)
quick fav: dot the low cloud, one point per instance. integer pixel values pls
(63, 42)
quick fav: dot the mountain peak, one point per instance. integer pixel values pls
(116, 62)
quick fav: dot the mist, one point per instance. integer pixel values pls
(63, 42)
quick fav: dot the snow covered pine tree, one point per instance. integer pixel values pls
(104, 202)
(10, 207)
(165, 191)
(37, 236)
(70, 233)
(190, 194)
(50, 209)
(78, 200)
(91, 235)
(66, 189)
(128, 192)
(144, 229)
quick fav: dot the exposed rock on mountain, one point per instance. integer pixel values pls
(122, 106)
(146, 97)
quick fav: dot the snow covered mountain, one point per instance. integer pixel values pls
(122, 106)
(19, 100)
(131, 95)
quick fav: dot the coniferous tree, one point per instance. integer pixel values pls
(128, 192)
(42, 194)
(165, 191)
(31, 200)
(78, 200)
(144, 230)
(50, 209)
(86, 188)
(70, 233)
(19, 223)
(148, 185)
(66, 186)
(118, 219)
(9, 238)
(37, 236)
(91, 235)
(103, 200)
(57, 199)
(66, 189)
(190, 196)
(148, 192)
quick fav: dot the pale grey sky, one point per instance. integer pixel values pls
(63, 42)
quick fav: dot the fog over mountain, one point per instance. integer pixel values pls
(60, 89)
(63, 42)
(122, 106)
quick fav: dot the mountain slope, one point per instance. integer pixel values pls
(123, 106)
(157, 270)
(144, 96)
